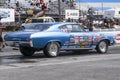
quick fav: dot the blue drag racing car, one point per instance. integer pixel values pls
(53, 37)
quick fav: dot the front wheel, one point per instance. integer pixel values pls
(26, 51)
(102, 47)
(52, 49)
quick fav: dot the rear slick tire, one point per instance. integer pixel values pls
(26, 51)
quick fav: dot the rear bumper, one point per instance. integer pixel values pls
(17, 43)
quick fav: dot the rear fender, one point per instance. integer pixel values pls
(59, 42)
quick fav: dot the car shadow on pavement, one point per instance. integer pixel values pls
(77, 53)
(39, 56)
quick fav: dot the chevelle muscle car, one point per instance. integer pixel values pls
(53, 37)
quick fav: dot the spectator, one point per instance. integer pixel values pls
(8, 1)
(17, 4)
(112, 23)
(90, 27)
(116, 26)
(68, 20)
(44, 6)
(67, 2)
(50, 1)
(41, 1)
(33, 3)
(106, 22)
(1, 39)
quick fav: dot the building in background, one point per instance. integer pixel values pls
(97, 4)
(2, 2)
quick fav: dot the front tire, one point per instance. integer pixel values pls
(102, 47)
(52, 49)
(26, 51)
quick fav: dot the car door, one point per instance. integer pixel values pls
(79, 38)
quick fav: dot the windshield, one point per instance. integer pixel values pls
(40, 27)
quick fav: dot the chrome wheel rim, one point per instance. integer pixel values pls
(53, 49)
(102, 46)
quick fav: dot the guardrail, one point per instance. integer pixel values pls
(109, 29)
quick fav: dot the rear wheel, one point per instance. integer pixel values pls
(102, 47)
(52, 49)
(26, 51)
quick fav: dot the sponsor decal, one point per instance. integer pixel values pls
(85, 40)
(82, 46)
(76, 39)
(97, 38)
(94, 42)
(81, 39)
(78, 46)
(64, 46)
(85, 37)
(87, 46)
(80, 43)
(85, 43)
(72, 47)
(72, 43)
(66, 43)
(90, 38)
(118, 36)
(72, 40)
(90, 42)
(101, 34)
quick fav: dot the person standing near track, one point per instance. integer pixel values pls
(1, 39)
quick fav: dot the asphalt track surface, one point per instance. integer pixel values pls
(67, 66)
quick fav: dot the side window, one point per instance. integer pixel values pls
(40, 20)
(63, 28)
(69, 27)
(77, 28)
(46, 20)
(74, 28)
(51, 20)
(34, 20)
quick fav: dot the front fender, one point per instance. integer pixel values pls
(110, 41)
